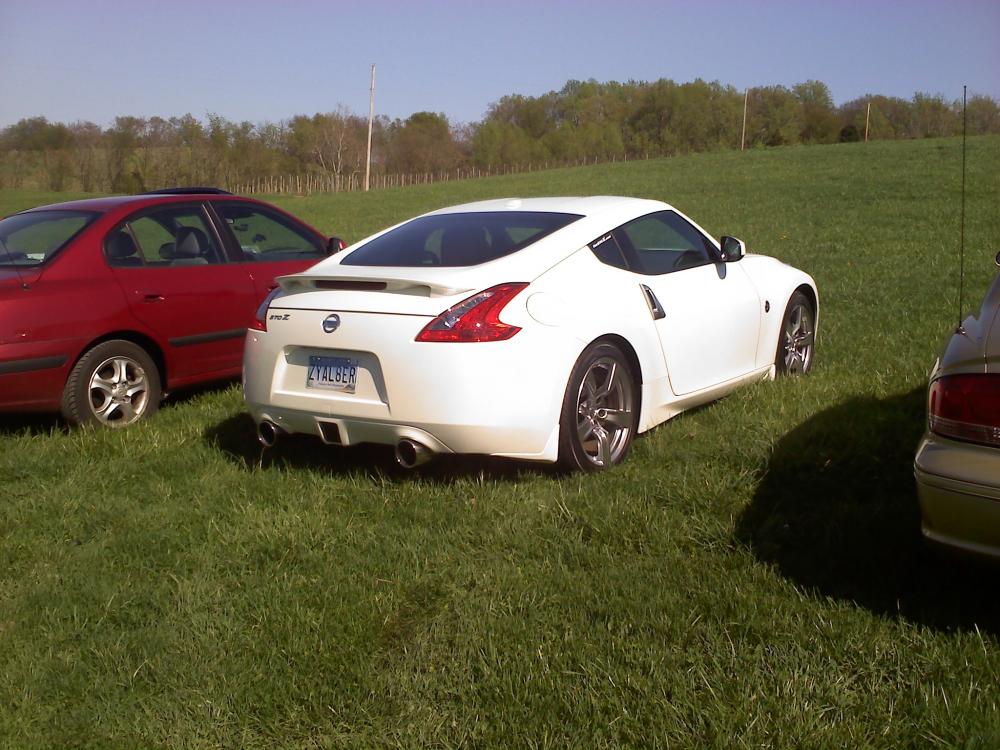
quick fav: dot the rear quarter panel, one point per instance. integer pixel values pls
(588, 300)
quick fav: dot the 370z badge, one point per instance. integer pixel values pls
(331, 323)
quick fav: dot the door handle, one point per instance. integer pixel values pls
(655, 308)
(153, 298)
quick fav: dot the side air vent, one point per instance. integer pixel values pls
(655, 308)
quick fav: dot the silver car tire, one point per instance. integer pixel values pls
(600, 410)
(114, 384)
(797, 337)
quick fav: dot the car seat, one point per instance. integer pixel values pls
(465, 246)
(191, 247)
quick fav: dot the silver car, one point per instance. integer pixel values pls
(957, 467)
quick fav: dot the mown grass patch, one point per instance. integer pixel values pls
(753, 574)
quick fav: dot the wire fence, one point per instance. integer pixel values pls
(311, 182)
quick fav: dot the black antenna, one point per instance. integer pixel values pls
(961, 231)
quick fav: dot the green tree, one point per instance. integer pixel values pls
(423, 143)
(982, 115)
(931, 117)
(890, 116)
(121, 140)
(774, 117)
(819, 119)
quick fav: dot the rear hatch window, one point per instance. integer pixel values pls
(456, 240)
(31, 238)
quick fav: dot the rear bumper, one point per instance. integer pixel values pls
(501, 399)
(32, 375)
(958, 485)
(439, 438)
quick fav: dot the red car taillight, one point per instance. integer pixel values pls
(966, 407)
(260, 317)
(476, 318)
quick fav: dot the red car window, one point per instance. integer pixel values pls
(167, 236)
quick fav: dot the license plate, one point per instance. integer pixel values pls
(333, 373)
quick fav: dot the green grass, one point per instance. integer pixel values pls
(752, 576)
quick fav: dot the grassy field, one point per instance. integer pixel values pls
(752, 576)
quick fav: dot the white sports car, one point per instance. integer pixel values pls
(546, 329)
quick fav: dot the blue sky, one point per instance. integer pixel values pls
(267, 61)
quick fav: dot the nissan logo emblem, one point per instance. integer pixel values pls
(331, 323)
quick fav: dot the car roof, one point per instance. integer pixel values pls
(103, 205)
(598, 215)
(583, 206)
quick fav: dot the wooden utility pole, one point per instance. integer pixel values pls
(867, 118)
(371, 117)
(743, 137)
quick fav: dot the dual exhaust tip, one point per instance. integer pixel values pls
(268, 433)
(409, 453)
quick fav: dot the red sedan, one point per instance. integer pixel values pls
(107, 304)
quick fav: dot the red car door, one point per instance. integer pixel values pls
(170, 264)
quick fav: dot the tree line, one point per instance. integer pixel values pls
(585, 120)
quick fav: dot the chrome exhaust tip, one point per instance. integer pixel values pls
(410, 454)
(267, 433)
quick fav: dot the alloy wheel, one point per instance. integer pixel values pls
(798, 339)
(119, 391)
(604, 411)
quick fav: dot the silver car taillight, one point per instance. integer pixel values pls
(966, 407)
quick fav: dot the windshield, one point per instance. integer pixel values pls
(29, 239)
(463, 239)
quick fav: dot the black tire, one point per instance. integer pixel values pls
(114, 384)
(600, 411)
(797, 337)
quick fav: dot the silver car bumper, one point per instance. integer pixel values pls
(958, 485)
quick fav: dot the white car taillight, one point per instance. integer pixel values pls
(260, 317)
(475, 319)
(966, 407)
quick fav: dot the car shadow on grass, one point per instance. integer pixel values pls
(36, 424)
(192, 393)
(236, 438)
(836, 512)
(30, 424)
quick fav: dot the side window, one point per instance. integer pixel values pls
(31, 238)
(662, 243)
(150, 235)
(263, 236)
(168, 236)
(607, 251)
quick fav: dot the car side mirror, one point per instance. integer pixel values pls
(732, 249)
(335, 245)
(997, 259)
